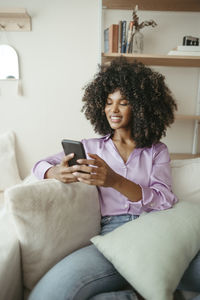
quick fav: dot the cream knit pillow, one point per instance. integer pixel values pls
(52, 219)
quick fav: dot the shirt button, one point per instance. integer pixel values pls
(126, 205)
(152, 205)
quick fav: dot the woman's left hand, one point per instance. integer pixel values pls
(97, 172)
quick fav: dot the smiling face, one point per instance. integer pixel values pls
(118, 111)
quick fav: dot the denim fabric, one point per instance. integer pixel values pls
(191, 278)
(126, 294)
(87, 274)
(109, 223)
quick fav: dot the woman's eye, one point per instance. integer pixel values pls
(108, 103)
(124, 103)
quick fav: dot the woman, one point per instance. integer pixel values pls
(131, 106)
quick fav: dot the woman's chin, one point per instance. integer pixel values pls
(115, 126)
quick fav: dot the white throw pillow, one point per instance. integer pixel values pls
(52, 219)
(9, 174)
(185, 178)
(153, 251)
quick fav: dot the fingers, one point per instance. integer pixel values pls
(69, 180)
(83, 168)
(93, 178)
(61, 172)
(85, 176)
(93, 162)
(96, 161)
(90, 179)
(96, 157)
(65, 176)
(89, 182)
(66, 158)
(88, 171)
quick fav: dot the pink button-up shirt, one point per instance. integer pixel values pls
(148, 167)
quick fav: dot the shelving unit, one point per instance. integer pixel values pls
(160, 60)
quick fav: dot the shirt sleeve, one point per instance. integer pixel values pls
(43, 165)
(158, 195)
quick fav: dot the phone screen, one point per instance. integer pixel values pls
(76, 147)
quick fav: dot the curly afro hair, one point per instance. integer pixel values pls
(150, 99)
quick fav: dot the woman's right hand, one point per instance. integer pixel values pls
(62, 172)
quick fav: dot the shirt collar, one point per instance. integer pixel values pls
(106, 137)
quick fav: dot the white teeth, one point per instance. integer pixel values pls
(115, 118)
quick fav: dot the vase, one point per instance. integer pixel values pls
(138, 39)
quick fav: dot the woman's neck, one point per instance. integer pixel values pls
(124, 143)
(123, 136)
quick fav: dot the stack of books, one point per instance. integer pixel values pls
(118, 38)
(186, 51)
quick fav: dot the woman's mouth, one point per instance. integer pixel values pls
(116, 119)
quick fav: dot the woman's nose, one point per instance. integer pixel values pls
(115, 108)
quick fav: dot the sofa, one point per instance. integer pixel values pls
(43, 221)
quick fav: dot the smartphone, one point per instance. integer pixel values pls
(76, 147)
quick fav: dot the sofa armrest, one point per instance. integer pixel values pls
(10, 261)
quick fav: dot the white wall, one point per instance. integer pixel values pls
(60, 55)
(57, 58)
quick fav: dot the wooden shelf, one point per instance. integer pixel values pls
(187, 117)
(183, 155)
(156, 60)
(14, 20)
(168, 5)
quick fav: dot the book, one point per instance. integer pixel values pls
(184, 53)
(106, 40)
(129, 39)
(123, 37)
(113, 38)
(120, 38)
(188, 48)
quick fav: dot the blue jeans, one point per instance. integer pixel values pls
(87, 274)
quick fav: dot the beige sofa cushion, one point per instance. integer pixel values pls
(1, 200)
(185, 178)
(9, 174)
(52, 219)
(10, 261)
